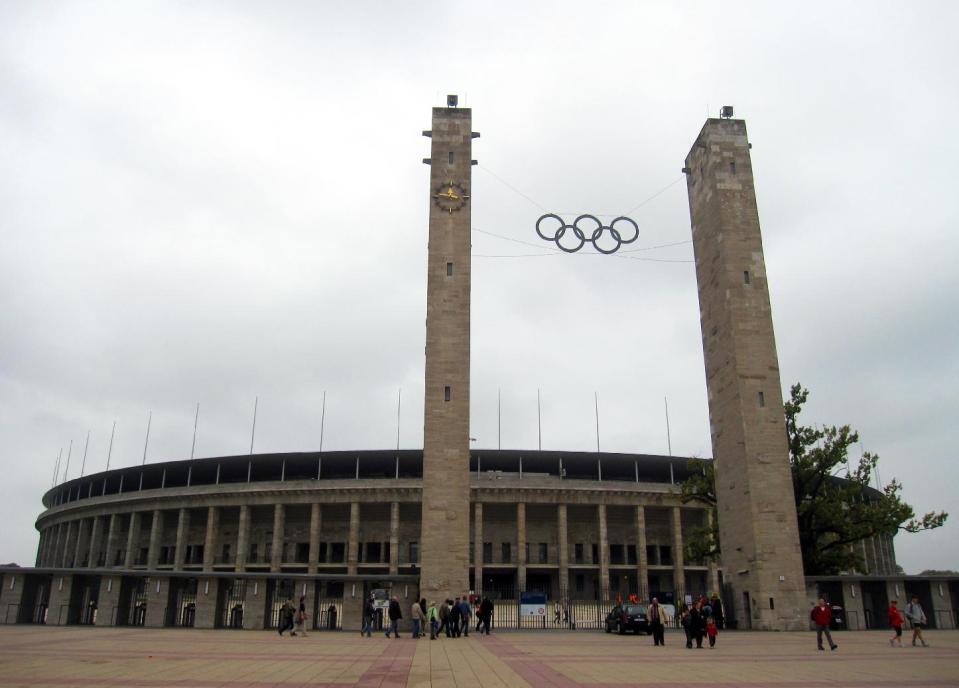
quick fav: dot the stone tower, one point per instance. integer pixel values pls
(445, 526)
(757, 515)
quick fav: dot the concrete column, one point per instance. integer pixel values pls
(603, 552)
(354, 543)
(133, 538)
(206, 594)
(316, 516)
(254, 605)
(713, 568)
(182, 530)
(942, 615)
(679, 571)
(56, 556)
(243, 542)
(156, 532)
(11, 597)
(209, 543)
(394, 538)
(478, 548)
(42, 545)
(58, 613)
(562, 537)
(520, 548)
(642, 563)
(93, 551)
(82, 545)
(109, 559)
(852, 601)
(65, 557)
(158, 597)
(108, 600)
(279, 525)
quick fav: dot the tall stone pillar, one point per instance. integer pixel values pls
(209, 542)
(279, 526)
(156, 532)
(158, 598)
(207, 590)
(108, 600)
(315, 522)
(59, 612)
(93, 551)
(83, 540)
(679, 566)
(56, 554)
(562, 537)
(182, 531)
(110, 557)
(353, 546)
(478, 548)
(446, 485)
(757, 516)
(603, 552)
(642, 563)
(133, 538)
(243, 540)
(394, 538)
(520, 548)
(69, 541)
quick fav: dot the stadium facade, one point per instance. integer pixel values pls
(221, 542)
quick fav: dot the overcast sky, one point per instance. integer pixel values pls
(206, 202)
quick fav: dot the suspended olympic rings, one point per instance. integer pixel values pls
(592, 232)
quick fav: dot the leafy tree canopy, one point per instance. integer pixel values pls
(835, 504)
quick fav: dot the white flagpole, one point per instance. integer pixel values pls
(146, 442)
(539, 422)
(83, 466)
(399, 399)
(322, 420)
(669, 441)
(56, 467)
(110, 449)
(499, 419)
(196, 419)
(596, 403)
(66, 471)
(256, 402)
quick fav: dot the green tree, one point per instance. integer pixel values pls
(835, 505)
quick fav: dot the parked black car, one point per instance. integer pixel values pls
(628, 617)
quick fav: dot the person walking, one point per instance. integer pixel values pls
(466, 613)
(917, 617)
(445, 618)
(821, 615)
(486, 615)
(394, 614)
(685, 623)
(895, 621)
(711, 631)
(369, 612)
(300, 628)
(285, 622)
(657, 618)
(557, 612)
(456, 615)
(697, 624)
(432, 617)
(416, 613)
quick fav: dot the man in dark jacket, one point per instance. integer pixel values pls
(395, 615)
(486, 615)
(466, 613)
(445, 618)
(368, 614)
(456, 615)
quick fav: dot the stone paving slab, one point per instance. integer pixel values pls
(60, 657)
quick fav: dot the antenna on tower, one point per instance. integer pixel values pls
(196, 419)
(399, 400)
(256, 402)
(146, 442)
(322, 420)
(56, 467)
(110, 450)
(66, 471)
(83, 466)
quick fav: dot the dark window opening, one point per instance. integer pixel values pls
(225, 554)
(772, 603)
(543, 553)
(451, 158)
(578, 552)
(487, 552)
(414, 552)
(732, 167)
(665, 555)
(762, 399)
(373, 550)
(616, 554)
(506, 552)
(449, 269)
(580, 582)
(446, 393)
(337, 552)
(631, 554)
(302, 552)
(745, 276)
(595, 553)
(322, 557)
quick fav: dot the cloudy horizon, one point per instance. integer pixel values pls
(220, 202)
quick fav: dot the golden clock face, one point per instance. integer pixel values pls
(450, 196)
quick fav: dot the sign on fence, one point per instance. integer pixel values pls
(532, 604)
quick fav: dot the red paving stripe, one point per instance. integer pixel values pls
(391, 668)
(162, 682)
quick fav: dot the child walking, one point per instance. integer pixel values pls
(711, 631)
(896, 621)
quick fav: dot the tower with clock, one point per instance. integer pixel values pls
(445, 535)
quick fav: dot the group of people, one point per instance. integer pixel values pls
(452, 616)
(699, 622)
(293, 618)
(916, 617)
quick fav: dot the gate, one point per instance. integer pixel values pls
(138, 602)
(230, 600)
(182, 604)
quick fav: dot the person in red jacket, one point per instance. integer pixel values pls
(821, 615)
(895, 620)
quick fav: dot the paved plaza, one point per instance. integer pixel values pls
(38, 657)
